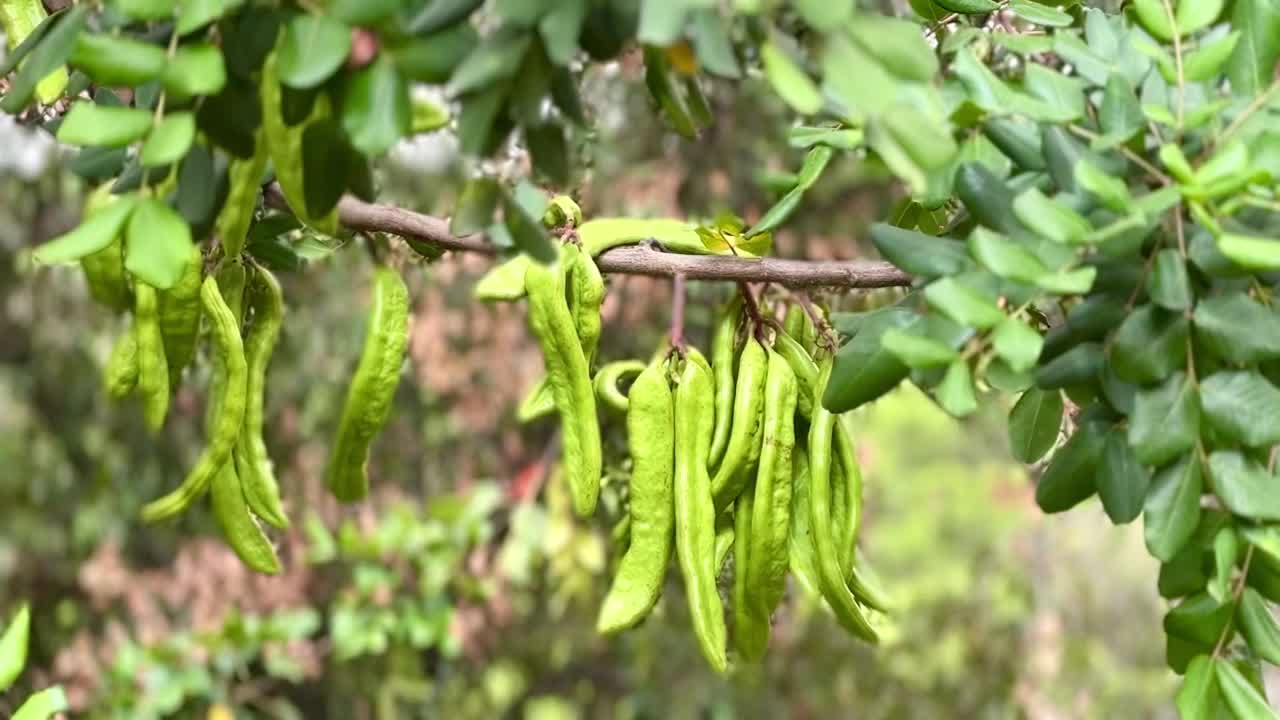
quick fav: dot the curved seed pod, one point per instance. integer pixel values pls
(120, 375)
(180, 317)
(794, 322)
(253, 464)
(651, 437)
(802, 365)
(570, 381)
(372, 387)
(723, 341)
(750, 631)
(851, 477)
(586, 287)
(606, 382)
(538, 402)
(153, 370)
(104, 273)
(724, 539)
(239, 528)
(503, 283)
(230, 401)
(748, 405)
(244, 179)
(284, 146)
(831, 576)
(804, 564)
(231, 279)
(771, 519)
(694, 511)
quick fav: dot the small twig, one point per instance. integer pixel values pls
(677, 312)
(1133, 157)
(753, 310)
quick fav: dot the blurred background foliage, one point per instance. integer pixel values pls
(464, 588)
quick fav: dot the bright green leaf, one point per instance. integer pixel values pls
(92, 235)
(157, 244)
(100, 125)
(169, 141)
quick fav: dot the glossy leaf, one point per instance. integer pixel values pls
(1237, 328)
(312, 50)
(90, 236)
(157, 244)
(963, 304)
(1258, 626)
(91, 124)
(864, 370)
(1071, 476)
(169, 141)
(917, 351)
(113, 60)
(918, 253)
(1244, 485)
(376, 111)
(1244, 700)
(1170, 286)
(1122, 480)
(1004, 257)
(1034, 423)
(1199, 691)
(195, 69)
(1165, 421)
(1050, 218)
(1172, 508)
(1242, 406)
(1149, 345)
(1079, 365)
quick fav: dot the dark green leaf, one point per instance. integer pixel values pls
(231, 118)
(1242, 406)
(1122, 480)
(326, 158)
(375, 108)
(497, 57)
(1199, 619)
(1170, 285)
(1237, 328)
(549, 152)
(479, 119)
(988, 199)
(1172, 508)
(198, 189)
(248, 37)
(1077, 366)
(441, 14)
(1165, 421)
(157, 245)
(1149, 345)
(363, 13)
(312, 49)
(1070, 477)
(476, 205)
(864, 370)
(919, 254)
(526, 231)
(433, 58)
(1034, 423)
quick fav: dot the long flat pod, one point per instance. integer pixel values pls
(153, 369)
(695, 512)
(570, 380)
(744, 433)
(723, 349)
(651, 437)
(253, 464)
(372, 387)
(831, 576)
(771, 513)
(225, 428)
(238, 526)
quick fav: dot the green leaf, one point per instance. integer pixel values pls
(90, 236)
(560, 29)
(791, 83)
(825, 15)
(51, 52)
(1068, 282)
(1079, 365)
(855, 77)
(497, 57)
(1244, 486)
(955, 393)
(169, 141)
(1019, 141)
(363, 13)
(1172, 508)
(433, 58)
(898, 45)
(146, 9)
(712, 44)
(1241, 697)
(805, 136)
(1165, 421)
(920, 254)
(1050, 218)
(1004, 257)
(1122, 480)
(815, 161)
(1017, 344)
(549, 152)
(1252, 64)
(963, 304)
(157, 244)
(526, 230)
(312, 49)
(1199, 691)
(1111, 191)
(376, 111)
(437, 15)
(1228, 162)
(1065, 94)
(100, 125)
(1034, 423)
(1195, 15)
(1265, 539)
(1208, 59)
(1040, 14)
(196, 14)
(112, 60)
(1120, 115)
(662, 21)
(1199, 619)
(43, 704)
(13, 647)
(1250, 251)
(1069, 479)
(480, 119)
(1237, 328)
(1170, 285)
(326, 157)
(195, 69)
(917, 351)
(987, 198)
(1258, 626)
(864, 370)
(1242, 406)
(1150, 344)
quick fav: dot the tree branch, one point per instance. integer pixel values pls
(630, 260)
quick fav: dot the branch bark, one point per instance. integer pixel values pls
(358, 215)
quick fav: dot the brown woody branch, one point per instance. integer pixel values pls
(358, 215)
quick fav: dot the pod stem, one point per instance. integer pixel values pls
(677, 313)
(753, 311)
